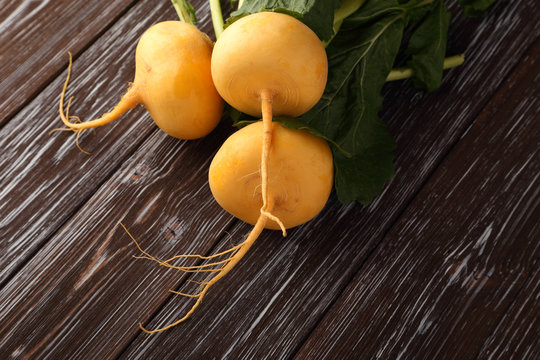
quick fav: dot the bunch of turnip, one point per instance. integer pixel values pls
(266, 64)
(270, 64)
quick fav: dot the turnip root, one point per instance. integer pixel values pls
(300, 176)
(172, 80)
(282, 56)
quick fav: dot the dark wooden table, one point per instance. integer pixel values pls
(443, 265)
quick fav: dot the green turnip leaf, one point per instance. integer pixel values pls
(427, 46)
(360, 58)
(316, 14)
(475, 8)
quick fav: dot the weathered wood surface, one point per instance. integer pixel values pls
(516, 336)
(44, 179)
(35, 37)
(70, 288)
(452, 264)
(83, 293)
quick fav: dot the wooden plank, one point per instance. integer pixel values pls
(82, 294)
(35, 37)
(62, 315)
(516, 336)
(450, 267)
(44, 178)
(269, 304)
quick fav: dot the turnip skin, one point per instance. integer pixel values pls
(281, 54)
(300, 175)
(172, 80)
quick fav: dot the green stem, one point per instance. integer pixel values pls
(347, 8)
(403, 73)
(185, 11)
(240, 2)
(217, 17)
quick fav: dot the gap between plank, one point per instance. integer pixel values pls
(339, 293)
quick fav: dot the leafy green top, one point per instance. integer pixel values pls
(185, 11)
(316, 14)
(475, 8)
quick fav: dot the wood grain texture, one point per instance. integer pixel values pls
(82, 294)
(35, 37)
(449, 268)
(79, 294)
(270, 303)
(516, 336)
(44, 178)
